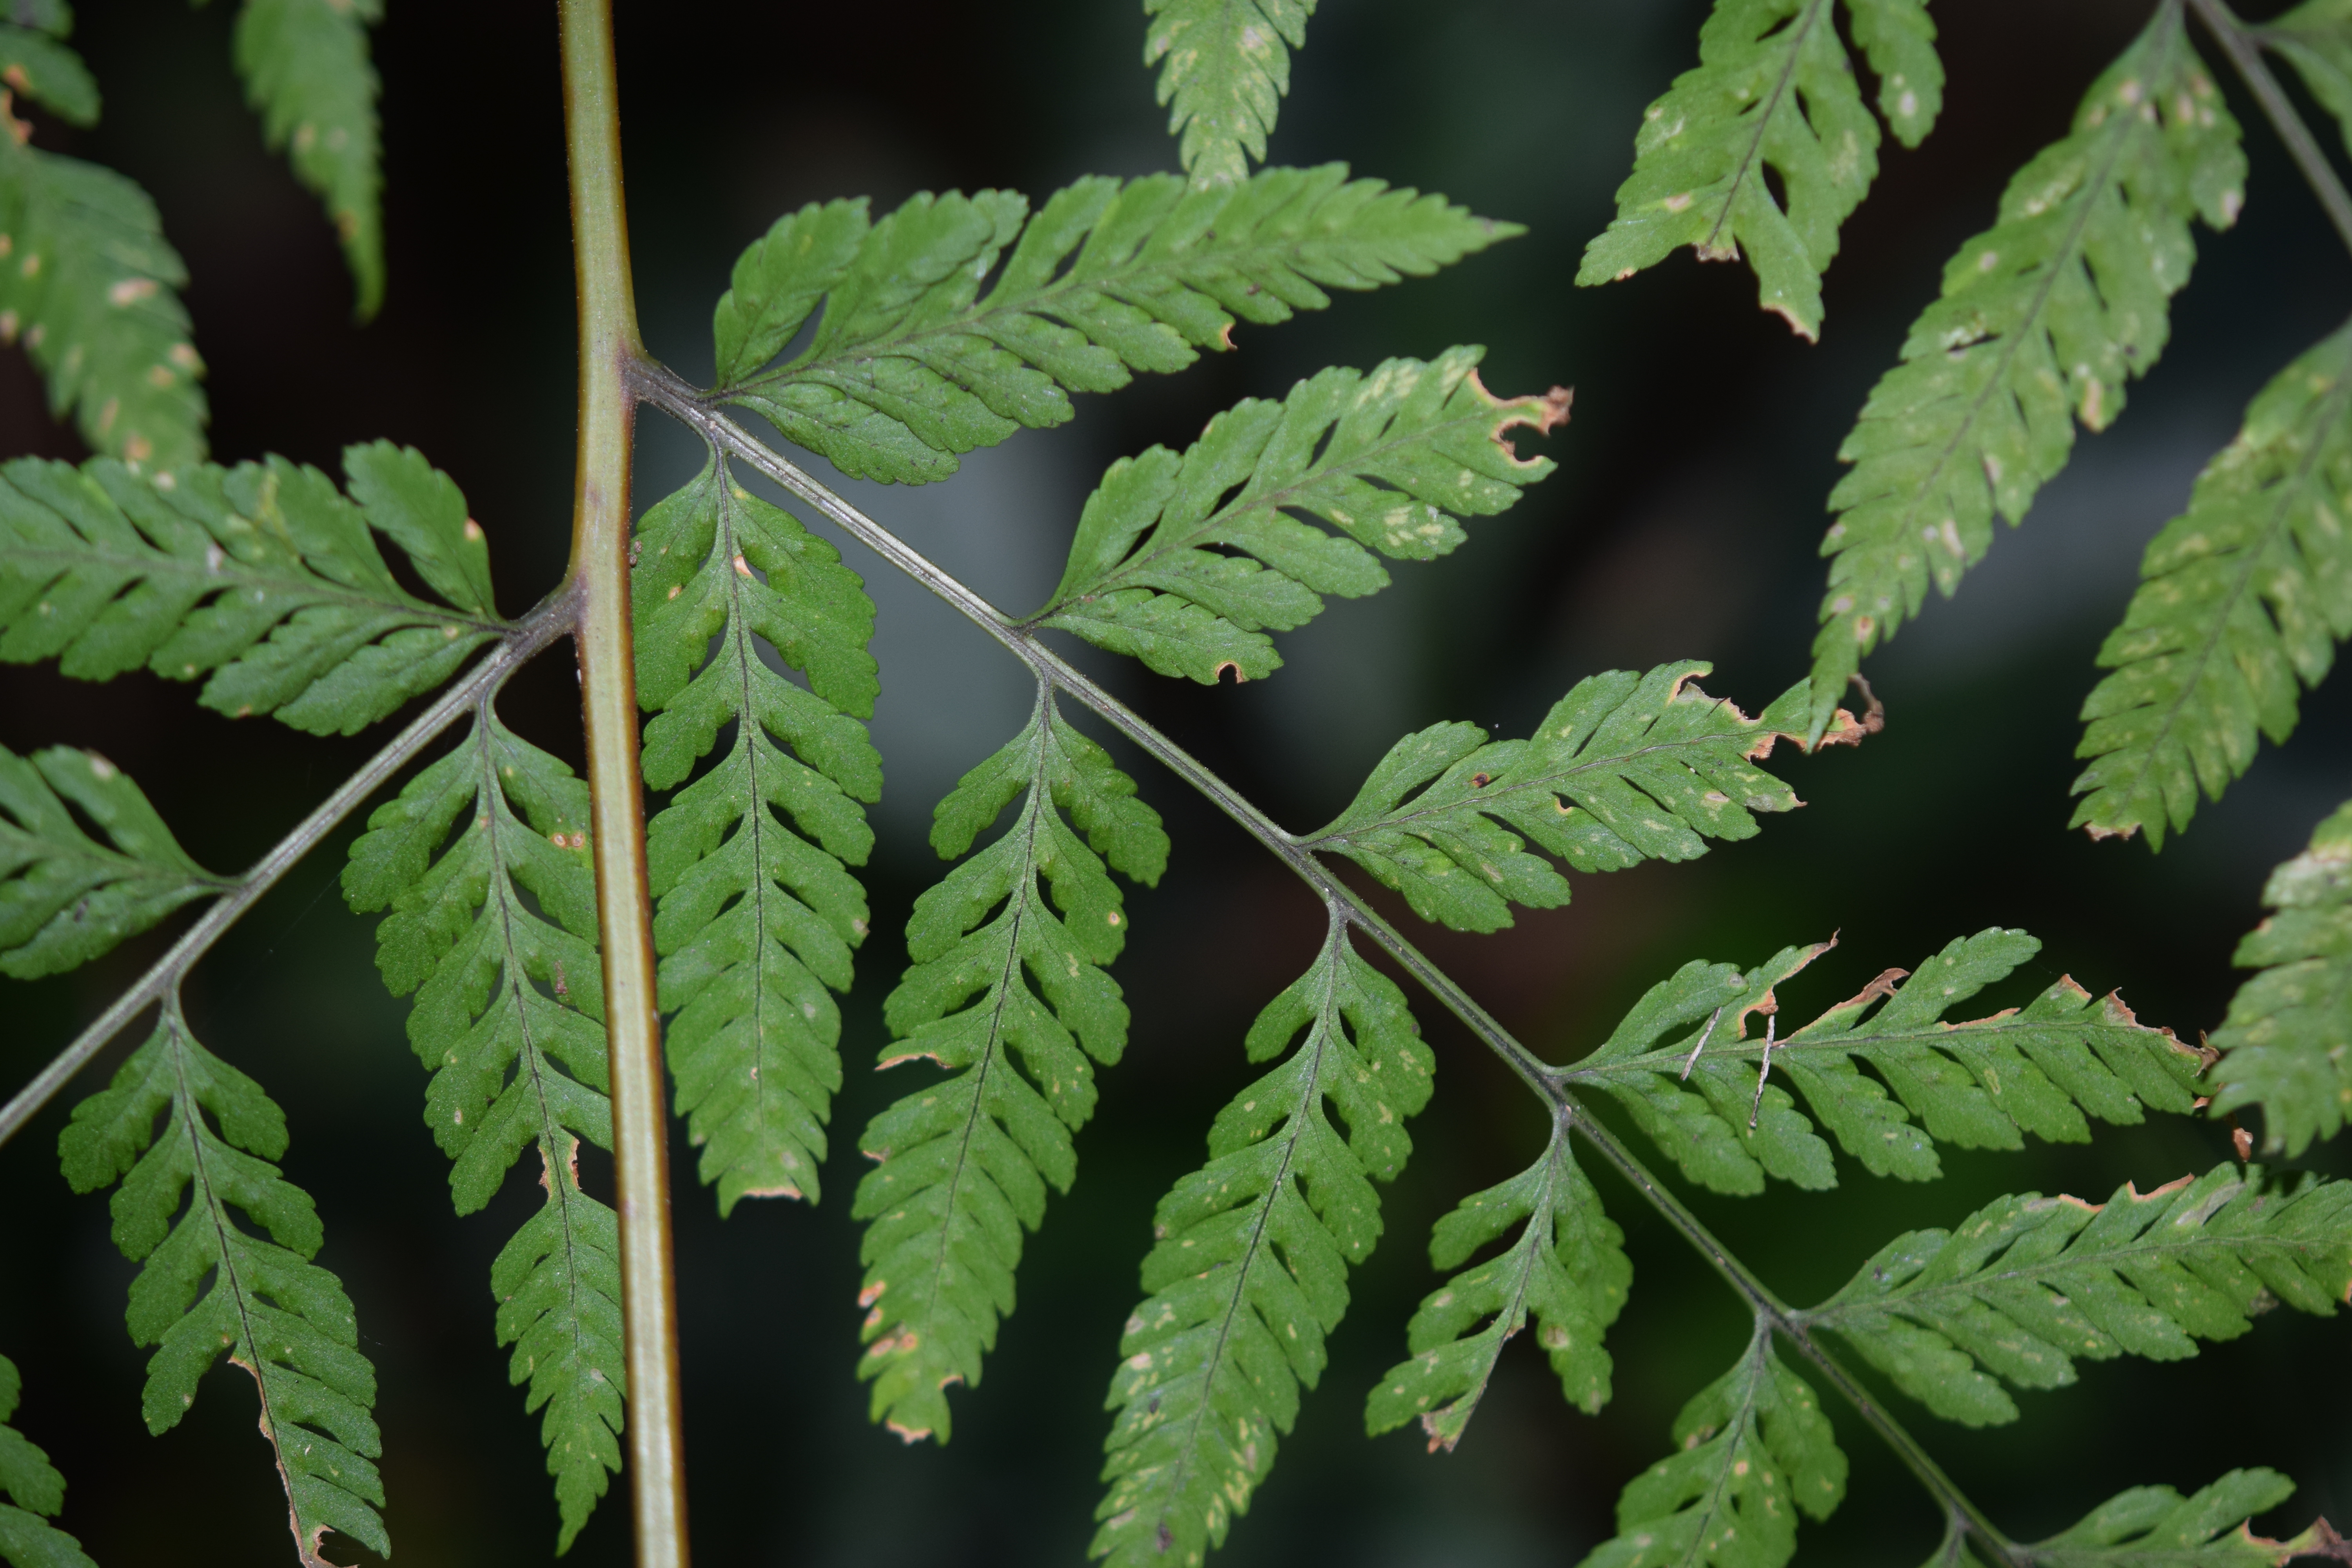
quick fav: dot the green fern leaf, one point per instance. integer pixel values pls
(1898, 39)
(305, 65)
(1626, 768)
(2239, 596)
(2043, 319)
(34, 1494)
(2316, 37)
(2156, 1527)
(756, 920)
(1568, 1268)
(1751, 1444)
(2026, 1284)
(38, 64)
(262, 574)
(1707, 1096)
(964, 1163)
(92, 288)
(64, 897)
(281, 1318)
(1773, 90)
(2284, 1044)
(1250, 1272)
(1389, 459)
(910, 366)
(513, 1066)
(1225, 67)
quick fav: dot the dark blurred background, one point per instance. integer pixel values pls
(1683, 523)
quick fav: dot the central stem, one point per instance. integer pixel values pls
(600, 566)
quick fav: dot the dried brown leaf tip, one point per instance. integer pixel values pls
(1542, 414)
(1844, 729)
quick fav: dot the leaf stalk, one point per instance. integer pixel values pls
(2242, 44)
(671, 393)
(609, 348)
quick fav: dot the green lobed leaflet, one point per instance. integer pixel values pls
(963, 1163)
(64, 897)
(2241, 597)
(32, 1493)
(2286, 1044)
(2026, 1284)
(1754, 1451)
(1186, 561)
(1774, 90)
(908, 365)
(494, 930)
(2156, 1527)
(2044, 319)
(263, 577)
(306, 71)
(1224, 68)
(1686, 1064)
(758, 911)
(207, 1286)
(91, 290)
(1626, 768)
(1249, 1272)
(1567, 1270)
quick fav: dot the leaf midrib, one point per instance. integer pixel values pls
(1024, 893)
(240, 1296)
(1738, 1432)
(313, 590)
(1748, 158)
(1905, 1299)
(1123, 575)
(1939, 1037)
(1615, 763)
(1319, 1041)
(1049, 301)
(551, 1132)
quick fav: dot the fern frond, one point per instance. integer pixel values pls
(1225, 67)
(2027, 1283)
(64, 897)
(306, 71)
(513, 1066)
(1250, 1270)
(37, 62)
(1169, 567)
(2156, 1527)
(1708, 1097)
(1773, 90)
(964, 1163)
(31, 1494)
(910, 366)
(2316, 38)
(2044, 319)
(2286, 1044)
(280, 1317)
(1568, 1268)
(2240, 596)
(1752, 1442)
(91, 288)
(263, 575)
(756, 919)
(1626, 768)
